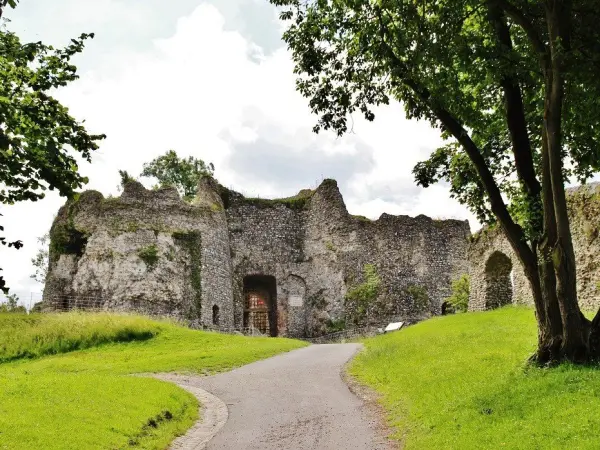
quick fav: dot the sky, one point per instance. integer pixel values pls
(211, 79)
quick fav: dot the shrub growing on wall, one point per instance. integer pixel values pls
(419, 296)
(459, 300)
(361, 297)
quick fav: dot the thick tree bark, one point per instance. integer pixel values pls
(575, 333)
(564, 333)
(541, 278)
(549, 348)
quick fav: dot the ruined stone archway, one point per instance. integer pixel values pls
(498, 283)
(260, 304)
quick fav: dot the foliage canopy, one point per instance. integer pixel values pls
(513, 87)
(40, 142)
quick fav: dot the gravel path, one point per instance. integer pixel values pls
(296, 400)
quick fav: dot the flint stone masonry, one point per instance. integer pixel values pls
(490, 250)
(102, 248)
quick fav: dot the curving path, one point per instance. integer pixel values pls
(296, 400)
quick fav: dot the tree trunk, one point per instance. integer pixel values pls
(574, 343)
(540, 273)
(549, 349)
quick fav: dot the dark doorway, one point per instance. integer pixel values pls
(260, 304)
(215, 311)
(446, 308)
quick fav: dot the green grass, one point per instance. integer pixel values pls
(86, 398)
(28, 336)
(461, 382)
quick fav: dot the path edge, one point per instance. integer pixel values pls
(370, 399)
(213, 414)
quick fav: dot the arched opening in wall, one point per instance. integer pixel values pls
(215, 315)
(260, 304)
(446, 308)
(498, 281)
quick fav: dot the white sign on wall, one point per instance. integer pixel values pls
(295, 300)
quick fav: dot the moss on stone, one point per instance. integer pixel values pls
(419, 295)
(149, 255)
(361, 218)
(296, 202)
(192, 241)
(65, 238)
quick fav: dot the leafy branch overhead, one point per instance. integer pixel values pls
(513, 87)
(39, 140)
(41, 144)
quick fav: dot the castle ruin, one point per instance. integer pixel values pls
(282, 267)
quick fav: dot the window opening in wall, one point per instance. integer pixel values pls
(260, 304)
(215, 315)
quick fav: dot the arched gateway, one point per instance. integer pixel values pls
(260, 304)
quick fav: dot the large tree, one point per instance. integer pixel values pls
(512, 85)
(40, 143)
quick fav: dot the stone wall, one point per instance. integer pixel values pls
(316, 251)
(144, 251)
(489, 287)
(149, 250)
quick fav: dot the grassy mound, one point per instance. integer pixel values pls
(460, 382)
(85, 399)
(29, 336)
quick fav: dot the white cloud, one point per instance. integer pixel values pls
(203, 92)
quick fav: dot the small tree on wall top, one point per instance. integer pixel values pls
(181, 173)
(512, 85)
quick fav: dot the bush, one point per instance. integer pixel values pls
(459, 300)
(361, 297)
(12, 305)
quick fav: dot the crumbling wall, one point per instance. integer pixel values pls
(317, 251)
(145, 251)
(150, 251)
(584, 210)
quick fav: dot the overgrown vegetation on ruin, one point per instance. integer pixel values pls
(296, 202)
(192, 242)
(64, 237)
(359, 299)
(459, 382)
(90, 391)
(459, 299)
(419, 296)
(149, 255)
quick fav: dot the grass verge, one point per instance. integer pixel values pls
(460, 382)
(30, 336)
(85, 398)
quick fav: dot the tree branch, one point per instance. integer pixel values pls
(515, 111)
(514, 232)
(520, 19)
